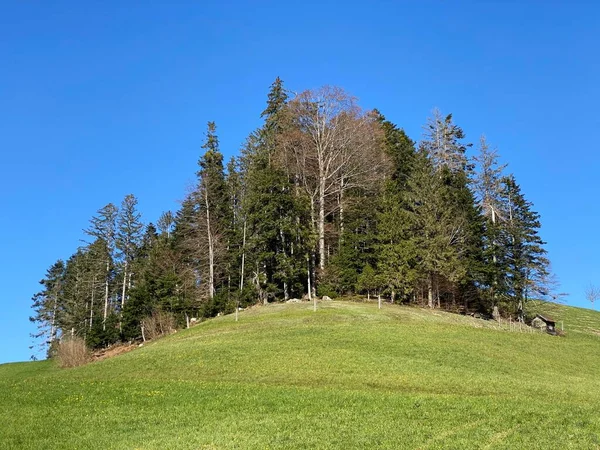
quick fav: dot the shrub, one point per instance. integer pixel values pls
(72, 352)
(158, 324)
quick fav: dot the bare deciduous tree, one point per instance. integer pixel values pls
(592, 293)
(332, 147)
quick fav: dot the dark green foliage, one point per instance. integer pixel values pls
(423, 227)
(273, 211)
(397, 248)
(527, 265)
(101, 334)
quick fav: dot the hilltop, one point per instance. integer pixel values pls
(347, 376)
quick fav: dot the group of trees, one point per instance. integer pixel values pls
(325, 199)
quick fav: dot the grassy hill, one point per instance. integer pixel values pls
(347, 376)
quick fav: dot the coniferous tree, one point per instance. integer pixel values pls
(396, 245)
(47, 304)
(488, 191)
(127, 239)
(104, 227)
(215, 212)
(83, 288)
(273, 208)
(448, 213)
(165, 223)
(526, 257)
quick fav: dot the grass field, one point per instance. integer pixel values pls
(348, 376)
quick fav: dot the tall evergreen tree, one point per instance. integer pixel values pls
(128, 239)
(47, 304)
(216, 211)
(396, 249)
(527, 261)
(165, 223)
(103, 226)
(273, 208)
(488, 191)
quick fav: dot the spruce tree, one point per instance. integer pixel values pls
(128, 239)
(103, 226)
(47, 305)
(488, 192)
(215, 211)
(273, 208)
(526, 256)
(396, 246)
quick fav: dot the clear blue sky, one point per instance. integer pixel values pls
(102, 99)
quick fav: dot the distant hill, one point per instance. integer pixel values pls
(347, 376)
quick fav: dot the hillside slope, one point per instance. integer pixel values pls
(347, 376)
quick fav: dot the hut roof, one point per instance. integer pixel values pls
(546, 318)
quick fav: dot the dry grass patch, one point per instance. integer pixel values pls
(72, 352)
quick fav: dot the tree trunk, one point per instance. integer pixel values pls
(211, 254)
(309, 287)
(53, 325)
(92, 302)
(106, 296)
(322, 222)
(430, 291)
(313, 267)
(124, 286)
(243, 257)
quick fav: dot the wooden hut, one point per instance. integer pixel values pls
(546, 323)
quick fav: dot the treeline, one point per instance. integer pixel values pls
(325, 199)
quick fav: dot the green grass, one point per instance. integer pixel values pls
(348, 376)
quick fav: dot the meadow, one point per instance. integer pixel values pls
(347, 376)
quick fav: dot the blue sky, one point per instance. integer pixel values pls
(102, 99)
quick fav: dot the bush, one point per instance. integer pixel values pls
(72, 352)
(158, 324)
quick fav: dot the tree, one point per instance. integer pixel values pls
(527, 269)
(83, 288)
(165, 223)
(273, 210)
(215, 207)
(446, 209)
(442, 142)
(332, 148)
(488, 192)
(592, 293)
(396, 248)
(128, 238)
(46, 304)
(103, 226)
